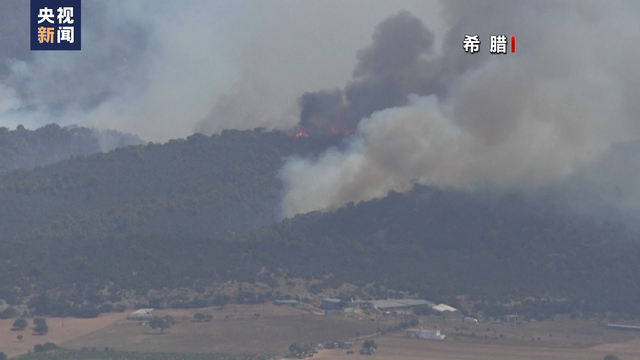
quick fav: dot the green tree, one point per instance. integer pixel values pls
(19, 337)
(169, 319)
(296, 348)
(199, 317)
(159, 323)
(370, 344)
(8, 313)
(610, 357)
(3, 356)
(221, 300)
(49, 346)
(41, 326)
(20, 324)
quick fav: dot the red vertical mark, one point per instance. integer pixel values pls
(513, 44)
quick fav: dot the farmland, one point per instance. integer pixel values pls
(268, 330)
(119, 355)
(234, 329)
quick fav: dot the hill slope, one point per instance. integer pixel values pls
(26, 149)
(201, 210)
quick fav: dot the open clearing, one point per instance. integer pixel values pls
(399, 348)
(58, 333)
(235, 329)
(271, 329)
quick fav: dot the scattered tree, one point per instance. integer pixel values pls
(221, 300)
(370, 344)
(610, 357)
(169, 319)
(3, 356)
(19, 337)
(49, 346)
(41, 326)
(256, 316)
(159, 323)
(45, 347)
(20, 324)
(297, 348)
(199, 317)
(8, 313)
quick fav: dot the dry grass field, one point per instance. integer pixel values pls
(237, 329)
(399, 348)
(60, 331)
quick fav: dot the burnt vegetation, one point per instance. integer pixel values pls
(201, 210)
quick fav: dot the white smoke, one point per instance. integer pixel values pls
(516, 120)
(162, 68)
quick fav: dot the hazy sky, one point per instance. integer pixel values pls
(519, 120)
(162, 69)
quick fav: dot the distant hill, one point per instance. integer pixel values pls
(26, 149)
(445, 243)
(200, 186)
(132, 204)
(200, 210)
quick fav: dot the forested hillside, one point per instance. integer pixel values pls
(26, 149)
(204, 209)
(444, 242)
(200, 186)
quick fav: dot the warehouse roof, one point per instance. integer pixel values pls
(287, 302)
(141, 311)
(399, 303)
(332, 300)
(443, 307)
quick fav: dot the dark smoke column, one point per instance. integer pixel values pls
(394, 66)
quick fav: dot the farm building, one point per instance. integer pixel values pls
(446, 311)
(140, 314)
(287, 302)
(394, 304)
(331, 304)
(623, 327)
(347, 310)
(424, 334)
(470, 320)
(512, 320)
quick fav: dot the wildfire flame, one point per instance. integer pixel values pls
(301, 133)
(336, 129)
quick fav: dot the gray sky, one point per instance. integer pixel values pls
(519, 120)
(163, 69)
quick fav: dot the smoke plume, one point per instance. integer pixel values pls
(162, 68)
(394, 66)
(517, 121)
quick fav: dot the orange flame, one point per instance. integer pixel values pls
(336, 129)
(301, 133)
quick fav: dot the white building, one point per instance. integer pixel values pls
(140, 314)
(446, 311)
(424, 334)
(470, 320)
